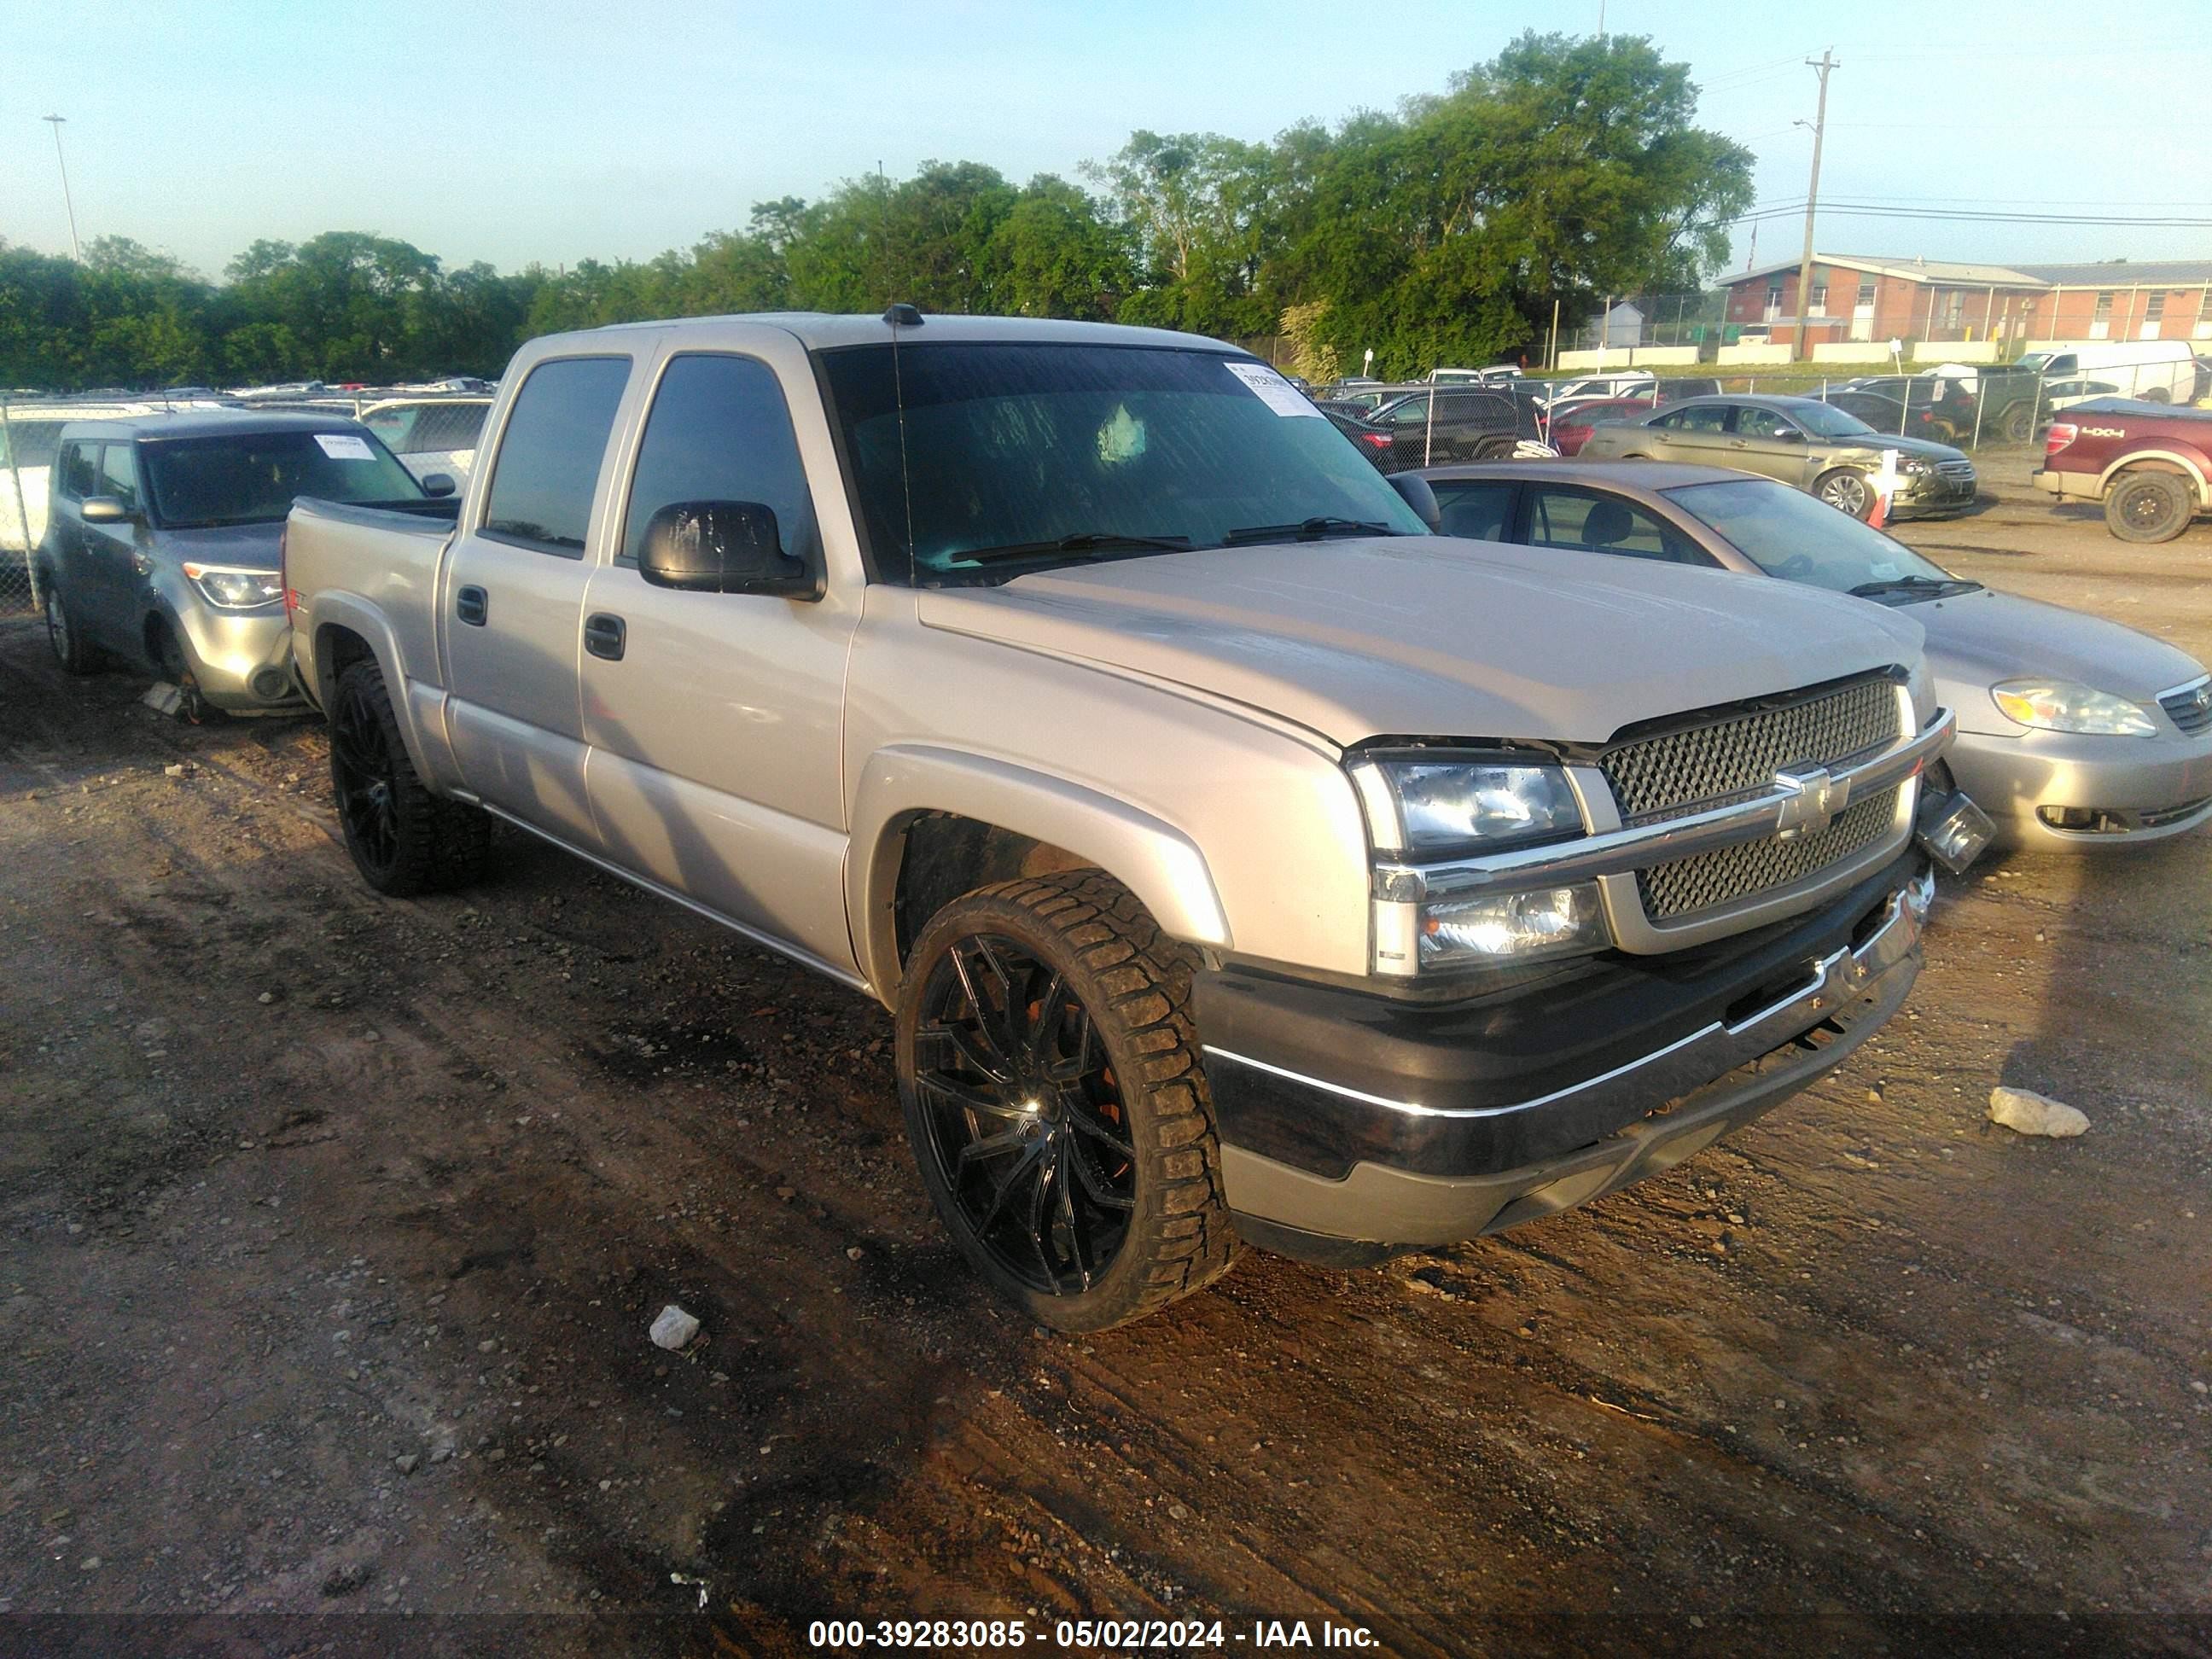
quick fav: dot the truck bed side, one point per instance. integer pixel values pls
(367, 576)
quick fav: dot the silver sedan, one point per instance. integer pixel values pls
(2073, 731)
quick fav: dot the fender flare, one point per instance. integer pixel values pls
(432, 756)
(2192, 464)
(901, 782)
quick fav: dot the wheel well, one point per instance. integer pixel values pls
(946, 855)
(337, 649)
(162, 649)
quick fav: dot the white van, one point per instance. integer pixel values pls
(2156, 371)
(28, 432)
(430, 435)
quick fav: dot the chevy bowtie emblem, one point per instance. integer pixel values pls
(1811, 797)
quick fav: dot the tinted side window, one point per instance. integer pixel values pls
(1705, 417)
(119, 475)
(549, 459)
(1755, 423)
(1477, 512)
(76, 469)
(719, 431)
(1600, 524)
(392, 425)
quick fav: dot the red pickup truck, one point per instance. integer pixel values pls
(2150, 463)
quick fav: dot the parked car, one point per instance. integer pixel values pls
(2072, 731)
(1632, 384)
(1800, 440)
(2152, 371)
(1886, 415)
(160, 550)
(1569, 429)
(28, 437)
(2150, 464)
(430, 435)
(1374, 443)
(1470, 423)
(1237, 858)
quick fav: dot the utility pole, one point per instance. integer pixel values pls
(1811, 198)
(76, 252)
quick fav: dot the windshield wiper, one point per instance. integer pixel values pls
(1913, 585)
(1087, 541)
(1307, 530)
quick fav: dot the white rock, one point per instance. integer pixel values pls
(2031, 1114)
(675, 1328)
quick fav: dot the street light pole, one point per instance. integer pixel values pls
(1812, 196)
(76, 252)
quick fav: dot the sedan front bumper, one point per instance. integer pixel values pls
(2136, 789)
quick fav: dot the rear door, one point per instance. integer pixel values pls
(714, 720)
(1696, 433)
(511, 612)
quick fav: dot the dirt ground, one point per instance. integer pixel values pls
(334, 1226)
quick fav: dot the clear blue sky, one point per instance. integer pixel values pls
(542, 130)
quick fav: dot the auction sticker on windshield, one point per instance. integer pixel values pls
(344, 446)
(1272, 390)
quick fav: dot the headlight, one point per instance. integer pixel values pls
(2064, 705)
(1506, 928)
(1424, 806)
(228, 588)
(1915, 463)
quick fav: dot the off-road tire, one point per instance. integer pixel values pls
(2148, 506)
(1135, 984)
(62, 634)
(1835, 488)
(433, 843)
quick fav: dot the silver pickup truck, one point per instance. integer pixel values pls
(1239, 859)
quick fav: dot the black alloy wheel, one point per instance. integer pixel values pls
(1024, 1117)
(366, 782)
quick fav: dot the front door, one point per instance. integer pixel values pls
(1768, 441)
(111, 560)
(714, 719)
(512, 611)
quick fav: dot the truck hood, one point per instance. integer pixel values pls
(1976, 639)
(1433, 636)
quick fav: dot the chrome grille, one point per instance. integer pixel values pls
(1706, 879)
(1957, 471)
(1738, 755)
(2190, 706)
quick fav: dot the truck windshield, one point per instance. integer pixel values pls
(975, 462)
(252, 477)
(1790, 534)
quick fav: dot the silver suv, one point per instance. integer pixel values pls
(162, 537)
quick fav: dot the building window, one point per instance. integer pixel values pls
(1819, 306)
(1773, 298)
(1866, 290)
(1954, 308)
(2153, 316)
(2203, 330)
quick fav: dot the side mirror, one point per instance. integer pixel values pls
(1789, 435)
(439, 484)
(1417, 494)
(722, 547)
(106, 509)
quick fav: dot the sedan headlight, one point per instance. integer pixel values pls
(1424, 805)
(2064, 706)
(227, 588)
(1916, 463)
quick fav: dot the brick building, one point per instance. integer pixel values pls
(1856, 298)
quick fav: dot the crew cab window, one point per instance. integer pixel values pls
(1754, 422)
(720, 431)
(1706, 417)
(119, 475)
(549, 459)
(77, 470)
(1604, 523)
(1477, 512)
